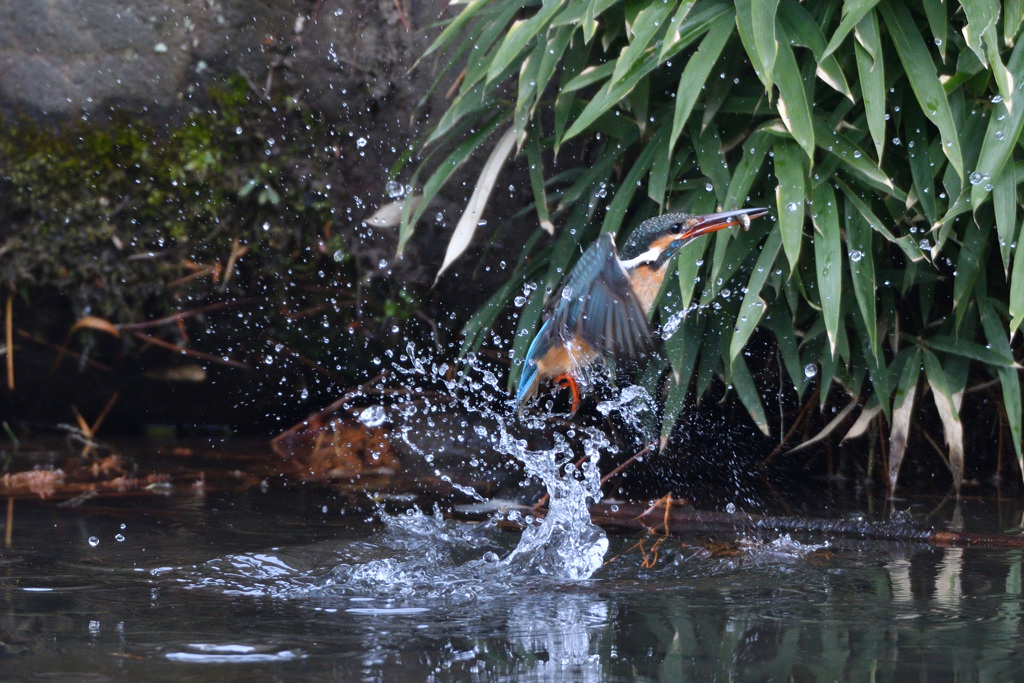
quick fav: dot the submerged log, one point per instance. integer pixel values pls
(671, 520)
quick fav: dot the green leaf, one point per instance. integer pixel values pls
(518, 36)
(695, 74)
(749, 394)
(1017, 284)
(910, 248)
(456, 28)
(860, 252)
(441, 174)
(871, 69)
(981, 16)
(922, 170)
(627, 188)
(674, 36)
(748, 169)
(946, 406)
(903, 406)
(803, 30)
(647, 24)
(853, 11)
(762, 15)
(745, 27)
(682, 348)
(713, 165)
(968, 268)
(753, 306)
(784, 328)
(853, 158)
(540, 200)
(920, 70)
(969, 349)
(828, 258)
(999, 342)
(1004, 202)
(938, 23)
(588, 77)
(1002, 135)
(1004, 79)
(790, 197)
(793, 105)
(1013, 17)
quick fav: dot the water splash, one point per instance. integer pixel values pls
(466, 427)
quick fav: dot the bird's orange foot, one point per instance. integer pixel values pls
(567, 380)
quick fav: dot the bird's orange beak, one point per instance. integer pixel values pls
(724, 219)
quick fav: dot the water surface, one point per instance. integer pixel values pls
(299, 582)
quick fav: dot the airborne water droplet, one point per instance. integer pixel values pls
(373, 416)
(810, 370)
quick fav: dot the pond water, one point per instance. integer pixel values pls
(275, 578)
(299, 582)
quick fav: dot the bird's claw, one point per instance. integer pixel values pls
(567, 380)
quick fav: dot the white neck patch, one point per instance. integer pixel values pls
(646, 257)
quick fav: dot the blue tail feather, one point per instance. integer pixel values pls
(528, 378)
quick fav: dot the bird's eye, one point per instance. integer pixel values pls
(676, 228)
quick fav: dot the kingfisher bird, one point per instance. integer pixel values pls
(602, 309)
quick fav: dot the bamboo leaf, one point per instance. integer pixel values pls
(920, 70)
(793, 105)
(745, 27)
(708, 146)
(1002, 135)
(853, 158)
(912, 250)
(466, 227)
(682, 348)
(968, 267)
(871, 69)
(689, 261)
(828, 259)
(540, 200)
(647, 24)
(981, 16)
(1004, 202)
(922, 170)
(753, 306)
(782, 325)
(674, 36)
(862, 271)
(852, 13)
(935, 12)
(627, 189)
(1017, 285)
(762, 15)
(747, 169)
(518, 37)
(749, 395)
(1013, 17)
(444, 170)
(952, 427)
(801, 27)
(903, 407)
(456, 28)
(969, 349)
(790, 197)
(1008, 377)
(695, 74)
(1005, 79)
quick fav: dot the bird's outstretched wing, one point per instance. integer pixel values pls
(599, 306)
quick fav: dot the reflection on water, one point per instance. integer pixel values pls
(244, 586)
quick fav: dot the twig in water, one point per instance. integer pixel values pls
(9, 340)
